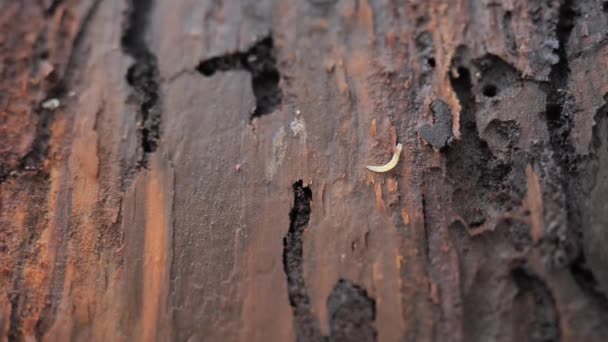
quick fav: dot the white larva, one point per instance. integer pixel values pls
(391, 164)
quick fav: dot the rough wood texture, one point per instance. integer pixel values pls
(203, 177)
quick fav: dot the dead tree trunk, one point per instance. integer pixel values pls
(194, 170)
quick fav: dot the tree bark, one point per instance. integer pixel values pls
(195, 170)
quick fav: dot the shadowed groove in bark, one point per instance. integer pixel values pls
(260, 61)
(559, 115)
(544, 324)
(305, 323)
(559, 119)
(351, 311)
(143, 77)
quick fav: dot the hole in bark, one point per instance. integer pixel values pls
(143, 78)
(267, 92)
(553, 112)
(260, 62)
(207, 69)
(490, 90)
(305, 323)
(233, 61)
(431, 62)
(496, 75)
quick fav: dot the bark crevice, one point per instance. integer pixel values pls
(260, 61)
(143, 77)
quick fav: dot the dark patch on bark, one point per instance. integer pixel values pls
(440, 133)
(260, 61)
(306, 324)
(543, 325)
(565, 245)
(558, 115)
(478, 176)
(351, 313)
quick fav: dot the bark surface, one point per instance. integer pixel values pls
(194, 170)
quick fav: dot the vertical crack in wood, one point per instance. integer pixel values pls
(351, 311)
(260, 61)
(559, 115)
(305, 323)
(143, 77)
